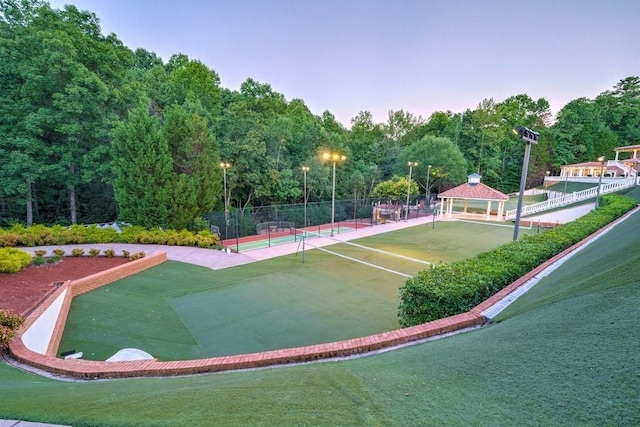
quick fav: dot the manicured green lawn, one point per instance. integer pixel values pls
(567, 353)
(178, 311)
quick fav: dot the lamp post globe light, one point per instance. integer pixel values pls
(529, 137)
(225, 166)
(334, 158)
(305, 169)
(427, 196)
(406, 212)
(603, 162)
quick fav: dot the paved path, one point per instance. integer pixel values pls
(562, 216)
(217, 260)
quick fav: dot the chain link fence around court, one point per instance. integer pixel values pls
(264, 221)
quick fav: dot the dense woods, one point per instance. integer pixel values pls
(91, 131)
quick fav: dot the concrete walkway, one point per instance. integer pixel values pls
(562, 216)
(217, 260)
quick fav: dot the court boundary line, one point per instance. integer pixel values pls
(407, 258)
(388, 270)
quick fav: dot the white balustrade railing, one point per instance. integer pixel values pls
(570, 198)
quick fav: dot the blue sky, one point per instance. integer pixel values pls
(419, 56)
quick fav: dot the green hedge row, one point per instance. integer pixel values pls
(448, 289)
(40, 235)
(13, 260)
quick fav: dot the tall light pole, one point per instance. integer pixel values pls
(406, 212)
(529, 137)
(333, 157)
(603, 162)
(305, 169)
(225, 166)
(427, 196)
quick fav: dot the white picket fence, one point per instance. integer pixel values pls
(568, 199)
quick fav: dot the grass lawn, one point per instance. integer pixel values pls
(571, 187)
(177, 311)
(567, 353)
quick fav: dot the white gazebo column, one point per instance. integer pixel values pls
(488, 207)
(500, 209)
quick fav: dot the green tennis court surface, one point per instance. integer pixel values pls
(296, 235)
(179, 311)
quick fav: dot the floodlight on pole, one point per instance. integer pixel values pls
(603, 162)
(406, 213)
(529, 137)
(334, 158)
(427, 196)
(225, 166)
(305, 169)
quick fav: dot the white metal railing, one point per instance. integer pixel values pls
(567, 199)
(628, 170)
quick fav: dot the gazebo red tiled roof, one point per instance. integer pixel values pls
(474, 191)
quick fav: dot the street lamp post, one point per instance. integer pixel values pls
(406, 213)
(224, 167)
(334, 158)
(427, 196)
(603, 162)
(305, 169)
(529, 137)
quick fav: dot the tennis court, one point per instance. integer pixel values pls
(180, 311)
(294, 235)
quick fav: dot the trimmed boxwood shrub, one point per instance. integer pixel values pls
(447, 289)
(13, 260)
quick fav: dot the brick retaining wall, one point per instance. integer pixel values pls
(87, 369)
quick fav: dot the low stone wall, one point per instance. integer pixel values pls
(86, 369)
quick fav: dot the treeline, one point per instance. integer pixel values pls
(91, 131)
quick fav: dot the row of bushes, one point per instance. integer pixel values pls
(448, 289)
(12, 260)
(40, 235)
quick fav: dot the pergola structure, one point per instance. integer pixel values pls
(632, 162)
(589, 169)
(473, 189)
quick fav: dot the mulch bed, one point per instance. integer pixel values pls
(23, 291)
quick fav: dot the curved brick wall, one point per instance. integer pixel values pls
(86, 369)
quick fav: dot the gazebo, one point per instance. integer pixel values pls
(473, 189)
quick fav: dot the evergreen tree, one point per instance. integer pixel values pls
(142, 168)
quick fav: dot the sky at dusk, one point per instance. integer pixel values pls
(419, 56)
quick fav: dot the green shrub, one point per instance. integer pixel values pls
(58, 252)
(13, 260)
(39, 260)
(40, 252)
(94, 252)
(446, 290)
(137, 255)
(78, 252)
(126, 254)
(109, 253)
(9, 323)
(53, 259)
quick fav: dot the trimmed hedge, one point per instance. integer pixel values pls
(13, 260)
(40, 235)
(449, 289)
